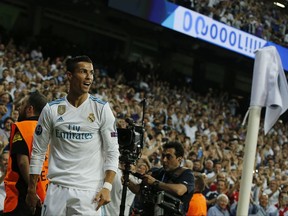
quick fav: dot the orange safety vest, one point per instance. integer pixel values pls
(26, 128)
(197, 205)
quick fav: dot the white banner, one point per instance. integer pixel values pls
(199, 26)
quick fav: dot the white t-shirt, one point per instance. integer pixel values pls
(83, 143)
(273, 200)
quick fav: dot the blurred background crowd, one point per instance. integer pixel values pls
(209, 125)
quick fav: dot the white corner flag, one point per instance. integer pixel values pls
(269, 86)
(270, 90)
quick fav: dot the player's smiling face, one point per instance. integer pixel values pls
(82, 77)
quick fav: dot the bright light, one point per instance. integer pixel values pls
(279, 4)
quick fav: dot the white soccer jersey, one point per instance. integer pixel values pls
(83, 142)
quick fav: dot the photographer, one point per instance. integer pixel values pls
(177, 183)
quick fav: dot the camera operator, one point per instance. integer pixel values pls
(177, 182)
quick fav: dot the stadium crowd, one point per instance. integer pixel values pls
(261, 19)
(209, 126)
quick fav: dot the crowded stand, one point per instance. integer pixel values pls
(258, 18)
(208, 125)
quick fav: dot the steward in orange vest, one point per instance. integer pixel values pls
(15, 185)
(17, 177)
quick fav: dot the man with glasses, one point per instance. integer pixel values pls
(176, 182)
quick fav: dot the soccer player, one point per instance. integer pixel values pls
(83, 148)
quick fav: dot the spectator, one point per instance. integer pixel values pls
(209, 169)
(273, 192)
(3, 168)
(188, 164)
(6, 100)
(36, 54)
(5, 132)
(265, 208)
(282, 204)
(197, 166)
(15, 115)
(211, 196)
(252, 208)
(220, 207)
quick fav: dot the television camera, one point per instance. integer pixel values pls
(130, 140)
(161, 200)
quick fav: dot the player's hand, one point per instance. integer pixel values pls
(32, 200)
(102, 197)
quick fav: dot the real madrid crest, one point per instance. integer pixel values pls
(91, 117)
(61, 109)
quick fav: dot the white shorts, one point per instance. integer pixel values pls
(63, 201)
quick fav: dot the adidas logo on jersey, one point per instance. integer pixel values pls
(60, 119)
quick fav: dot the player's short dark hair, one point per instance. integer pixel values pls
(72, 62)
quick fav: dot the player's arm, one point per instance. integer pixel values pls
(40, 144)
(110, 140)
(110, 143)
(41, 140)
(109, 176)
(31, 198)
(103, 196)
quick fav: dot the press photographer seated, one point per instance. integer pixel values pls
(177, 182)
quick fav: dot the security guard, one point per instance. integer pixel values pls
(17, 177)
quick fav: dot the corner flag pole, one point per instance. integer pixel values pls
(249, 159)
(270, 90)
